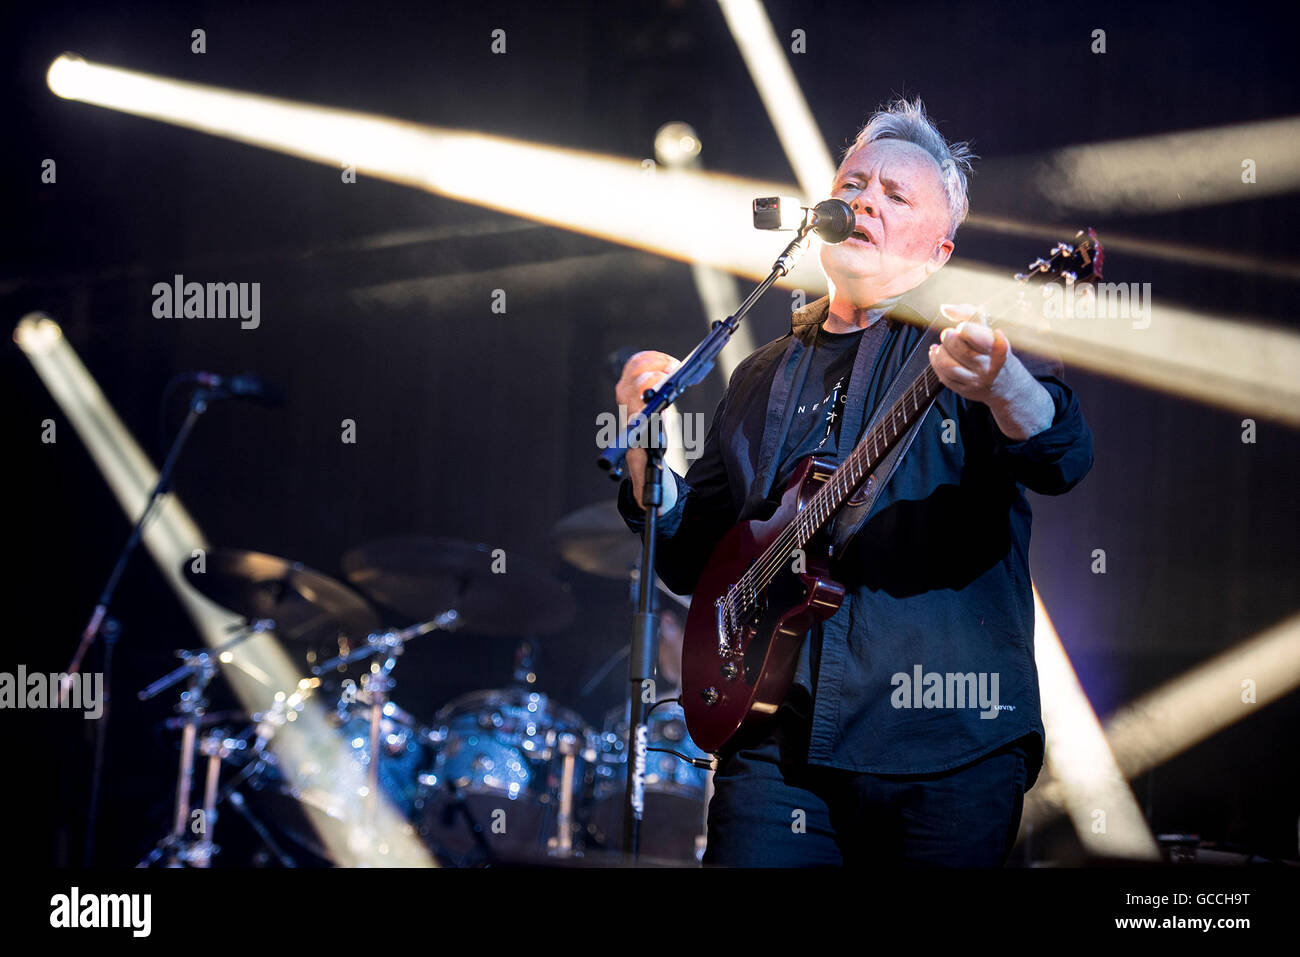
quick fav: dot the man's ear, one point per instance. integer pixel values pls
(938, 258)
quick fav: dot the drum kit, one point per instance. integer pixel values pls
(488, 753)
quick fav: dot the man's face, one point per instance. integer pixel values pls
(897, 196)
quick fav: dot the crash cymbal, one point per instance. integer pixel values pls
(596, 540)
(423, 577)
(307, 606)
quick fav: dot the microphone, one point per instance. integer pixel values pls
(832, 219)
(245, 385)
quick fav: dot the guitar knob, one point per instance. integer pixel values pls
(710, 695)
(730, 670)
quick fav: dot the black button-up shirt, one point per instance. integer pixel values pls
(929, 662)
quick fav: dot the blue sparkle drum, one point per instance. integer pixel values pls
(513, 765)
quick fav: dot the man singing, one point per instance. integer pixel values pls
(859, 766)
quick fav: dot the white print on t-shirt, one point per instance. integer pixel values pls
(837, 397)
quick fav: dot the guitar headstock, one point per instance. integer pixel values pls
(1078, 261)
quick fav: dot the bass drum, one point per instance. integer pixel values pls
(509, 773)
(676, 792)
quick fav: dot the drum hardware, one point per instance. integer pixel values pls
(378, 686)
(301, 787)
(208, 720)
(233, 747)
(293, 794)
(386, 745)
(606, 667)
(238, 802)
(199, 667)
(391, 642)
(562, 844)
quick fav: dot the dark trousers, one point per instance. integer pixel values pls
(771, 809)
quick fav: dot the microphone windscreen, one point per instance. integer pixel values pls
(835, 220)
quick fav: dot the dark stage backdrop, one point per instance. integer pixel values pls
(376, 307)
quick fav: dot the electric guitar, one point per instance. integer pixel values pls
(767, 582)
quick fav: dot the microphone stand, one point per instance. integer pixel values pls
(101, 623)
(645, 628)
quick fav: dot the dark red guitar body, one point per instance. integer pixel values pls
(725, 691)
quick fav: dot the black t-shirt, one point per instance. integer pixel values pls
(815, 428)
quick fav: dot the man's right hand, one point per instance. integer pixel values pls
(645, 370)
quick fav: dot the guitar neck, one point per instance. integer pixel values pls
(867, 455)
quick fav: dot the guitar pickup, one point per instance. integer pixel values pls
(724, 627)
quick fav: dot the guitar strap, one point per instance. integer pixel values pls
(849, 520)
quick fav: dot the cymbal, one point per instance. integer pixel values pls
(421, 577)
(596, 540)
(307, 606)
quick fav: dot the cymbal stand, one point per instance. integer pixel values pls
(200, 667)
(390, 642)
